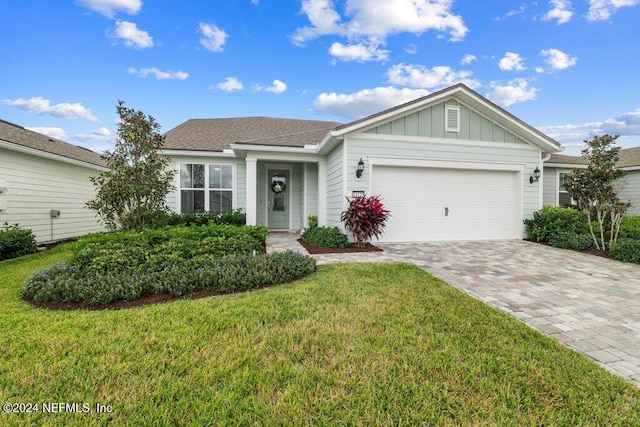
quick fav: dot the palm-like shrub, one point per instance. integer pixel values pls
(365, 218)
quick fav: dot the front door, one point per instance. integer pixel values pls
(278, 205)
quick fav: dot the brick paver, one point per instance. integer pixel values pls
(589, 303)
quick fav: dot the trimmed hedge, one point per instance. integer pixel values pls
(551, 221)
(67, 283)
(571, 240)
(626, 250)
(234, 217)
(630, 227)
(16, 242)
(325, 237)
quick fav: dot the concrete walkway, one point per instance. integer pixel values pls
(589, 303)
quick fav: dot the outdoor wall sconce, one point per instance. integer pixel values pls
(360, 168)
(536, 175)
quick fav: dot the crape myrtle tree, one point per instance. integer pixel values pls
(594, 190)
(131, 194)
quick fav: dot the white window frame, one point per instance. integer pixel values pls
(207, 190)
(558, 190)
(451, 109)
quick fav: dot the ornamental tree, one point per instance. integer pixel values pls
(131, 194)
(594, 190)
(364, 218)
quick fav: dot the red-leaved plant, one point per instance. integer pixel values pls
(364, 218)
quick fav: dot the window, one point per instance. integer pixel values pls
(206, 188)
(564, 199)
(451, 118)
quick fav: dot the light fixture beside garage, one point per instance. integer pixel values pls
(536, 175)
(360, 168)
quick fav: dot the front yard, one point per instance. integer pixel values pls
(351, 344)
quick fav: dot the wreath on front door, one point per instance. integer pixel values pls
(278, 186)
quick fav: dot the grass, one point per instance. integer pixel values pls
(353, 344)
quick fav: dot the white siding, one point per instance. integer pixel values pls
(36, 185)
(549, 186)
(335, 194)
(363, 146)
(630, 191)
(312, 190)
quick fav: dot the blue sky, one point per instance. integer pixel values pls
(567, 67)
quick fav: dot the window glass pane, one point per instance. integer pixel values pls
(220, 201)
(564, 199)
(192, 201)
(226, 176)
(563, 181)
(191, 176)
(214, 176)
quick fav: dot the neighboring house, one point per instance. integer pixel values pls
(44, 184)
(557, 167)
(449, 166)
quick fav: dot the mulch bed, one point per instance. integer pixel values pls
(595, 252)
(348, 250)
(119, 305)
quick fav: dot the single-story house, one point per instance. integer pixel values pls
(44, 184)
(558, 166)
(449, 166)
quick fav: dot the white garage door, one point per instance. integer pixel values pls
(430, 204)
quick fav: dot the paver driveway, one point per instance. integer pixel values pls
(589, 303)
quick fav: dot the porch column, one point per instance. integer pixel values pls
(252, 191)
(322, 193)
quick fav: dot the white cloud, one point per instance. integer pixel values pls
(601, 10)
(358, 52)
(100, 134)
(372, 21)
(418, 76)
(132, 36)
(276, 87)
(109, 8)
(627, 124)
(53, 132)
(513, 92)
(159, 74)
(511, 62)
(213, 38)
(558, 60)
(561, 12)
(364, 102)
(468, 59)
(412, 49)
(522, 9)
(40, 105)
(230, 84)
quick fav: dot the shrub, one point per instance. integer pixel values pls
(64, 283)
(365, 218)
(630, 227)
(570, 240)
(551, 220)
(626, 250)
(16, 242)
(234, 217)
(325, 237)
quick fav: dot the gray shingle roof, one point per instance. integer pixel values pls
(18, 135)
(219, 134)
(627, 157)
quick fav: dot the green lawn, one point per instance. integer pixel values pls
(353, 344)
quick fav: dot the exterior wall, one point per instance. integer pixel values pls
(549, 186)
(630, 191)
(335, 189)
(365, 146)
(430, 123)
(36, 185)
(311, 192)
(239, 173)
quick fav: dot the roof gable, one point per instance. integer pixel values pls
(457, 95)
(20, 136)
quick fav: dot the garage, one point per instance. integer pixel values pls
(432, 204)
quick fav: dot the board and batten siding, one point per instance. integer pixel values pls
(364, 145)
(239, 178)
(36, 185)
(630, 191)
(430, 123)
(335, 193)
